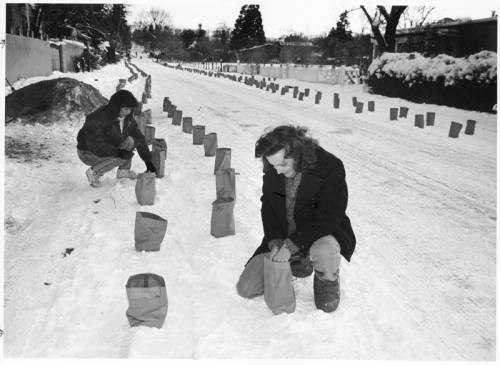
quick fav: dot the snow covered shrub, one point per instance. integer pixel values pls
(468, 82)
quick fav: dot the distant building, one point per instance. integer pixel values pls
(281, 52)
(259, 54)
(457, 38)
(299, 52)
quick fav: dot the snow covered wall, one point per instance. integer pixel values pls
(26, 57)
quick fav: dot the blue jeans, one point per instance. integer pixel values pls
(324, 255)
(101, 165)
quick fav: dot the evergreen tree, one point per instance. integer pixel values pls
(248, 30)
(340, 42)
(92, 23)
(341, 32)
(118, 26)
(188, 36)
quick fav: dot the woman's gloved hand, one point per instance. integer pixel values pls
(150, 167)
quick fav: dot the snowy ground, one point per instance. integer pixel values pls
(420, 286)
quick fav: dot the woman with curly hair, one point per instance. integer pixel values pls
(304, 199)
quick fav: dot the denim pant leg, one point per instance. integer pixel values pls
(251, 281)
(101, 165)
(325, 257)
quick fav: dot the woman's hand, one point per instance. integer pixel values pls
(128, 144)
(282, 254)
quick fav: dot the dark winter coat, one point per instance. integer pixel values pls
(319, 208)
(101, 134)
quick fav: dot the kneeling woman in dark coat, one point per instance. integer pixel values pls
(108, 138)
(304, 199)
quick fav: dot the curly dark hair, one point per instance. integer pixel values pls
(295, 142)
(122, 98)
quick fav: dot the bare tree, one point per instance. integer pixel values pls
(158, 18)
(416, 16)
(385, 22)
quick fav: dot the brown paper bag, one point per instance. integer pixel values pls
(147, 299)
(225, 184)
(222, 159)
(158, 160)
(145, 188)
(187, 125)
(210, 144)
(171, 110)
(149, 231)
(159, 144)
(222, 221)
(150, 134)
(177, 117)
(148, 116)
(278, 289)
(198, 134)
(166, 103)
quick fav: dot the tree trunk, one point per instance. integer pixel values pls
(386, 42)
(390, 29)
(379, 38)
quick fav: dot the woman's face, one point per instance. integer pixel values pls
(285, 166)
(124, 111)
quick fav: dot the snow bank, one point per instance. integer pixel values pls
(412, 67)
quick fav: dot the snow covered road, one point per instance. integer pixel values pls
(420, 285)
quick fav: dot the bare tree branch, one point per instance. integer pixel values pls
(375, 29)
(387, 41)
(155, 17)
(383, 11)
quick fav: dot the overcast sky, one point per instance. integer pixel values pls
(311, 17)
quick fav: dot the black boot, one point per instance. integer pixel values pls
(326, 294)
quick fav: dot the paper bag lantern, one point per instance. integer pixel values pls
(158, 160)
(149, 231)
(145, 188)
(160, 144)
(222, 220)
(222, 159)
(150, 134)
(225, 184)
(187, 125)
(198, 134)
(210, 144)
(147, 300)
(278, 289)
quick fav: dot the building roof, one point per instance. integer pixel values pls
(450, 24)
(286, 44)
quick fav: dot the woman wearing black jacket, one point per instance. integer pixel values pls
(109, 136)
(304, 198)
